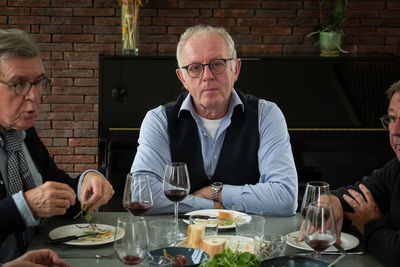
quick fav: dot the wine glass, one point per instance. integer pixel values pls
(319, 227)
(315, 191)
(132, 248)
(137, 197)
(176, 186)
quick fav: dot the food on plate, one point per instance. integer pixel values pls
(178, 260)
(226, 218)
(232, 258)
(195, 235)
(213, 245)
(93, 228)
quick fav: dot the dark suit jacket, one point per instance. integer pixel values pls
(11, 220)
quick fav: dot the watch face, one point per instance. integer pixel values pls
(216, 185)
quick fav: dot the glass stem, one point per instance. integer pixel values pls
(317, 254)
(176, 216)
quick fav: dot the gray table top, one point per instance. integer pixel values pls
(281, 225)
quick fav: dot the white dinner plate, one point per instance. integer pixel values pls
(80, 229)
(214, 212)
(232, 241)
(348, 242)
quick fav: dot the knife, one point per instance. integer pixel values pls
(69, 238)
(339, 248)
(186, 217)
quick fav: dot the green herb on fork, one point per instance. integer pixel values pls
(84, 212)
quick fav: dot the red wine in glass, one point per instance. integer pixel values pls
(138, 208)
(137, 197)
(132, 260)
(176, 195)
(319, 245)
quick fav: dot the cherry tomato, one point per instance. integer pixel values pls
(180, 260)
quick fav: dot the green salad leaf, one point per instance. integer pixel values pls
(84, 213)
(229, 258)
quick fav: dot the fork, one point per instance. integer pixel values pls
(96, 256)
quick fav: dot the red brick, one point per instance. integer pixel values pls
(81, 56)
(293, 39)
(60, 142)
(72, 125)
(85, 82)
(393, 5)
(370, 40)
(42, 125)
(71, 3)
(158, 39)
(256, 22)
(102, 29)
(106, 3)
(63, 99)
(220, 22)
(56, 133)
(43, 3)
(297, 22)
(61, 150)
(72, 107)
(75, 90)
(363, 13)
(84, 167)
(271, 31)
(186, 22)
(60, 116)
(82, 142)
(281, 5)
(85, 133)
(55, 47)
(247, 39)
(198, 4)
(74, 38)
(356, 5)
(389, 31)
(74, 159)
(360, 31)
(57, 55)
(3, 19)
(72, 20)
(55, 64)
(86, 116)
(3, 2)
(13, 11)
(153, 30)
(390, 14)
(276, 13)
(240, 4)
(45, 141)
(72, 73)
(54, 12)
(300, 50)
(235, 13)
(392, 40)
(161, 4)
(107, 21)
(378, 49)
(44, 108)
(93, 47)
(176, 13)
(308, 13)
(91, 99)
(205, 12)
(86, 150)
(83, 64)
(61, 82)
(61, 29)
(380, 23)
(167, 49)
(103, 39)
(95, 12)
(28, 20)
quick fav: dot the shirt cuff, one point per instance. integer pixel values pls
(229, 194)
(24, 210)
(83, 176)
(199, 203)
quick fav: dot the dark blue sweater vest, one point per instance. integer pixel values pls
(238, 160)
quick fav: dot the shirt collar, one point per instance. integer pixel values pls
(2, 133)
(234, 101)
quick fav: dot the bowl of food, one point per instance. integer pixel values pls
(293, 261)
(182, 256)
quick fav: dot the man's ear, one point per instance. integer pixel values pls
(180, 76)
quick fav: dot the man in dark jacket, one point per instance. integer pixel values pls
(371, 205)
(31, 185)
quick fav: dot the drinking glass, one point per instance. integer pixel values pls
(132, 248)
(315, 191)
(137, 197)
(319, 227)
(176, 186)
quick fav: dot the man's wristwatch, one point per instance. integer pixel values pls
(215, 188)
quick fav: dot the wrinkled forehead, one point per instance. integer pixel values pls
(29, 67)
(394, 105)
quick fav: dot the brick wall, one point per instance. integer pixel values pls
(72, 33)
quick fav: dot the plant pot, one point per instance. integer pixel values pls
(330, 43)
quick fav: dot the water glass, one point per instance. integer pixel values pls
(250, 228)
(211, 223)
(163, 233)
(160, 261)
(269, 246)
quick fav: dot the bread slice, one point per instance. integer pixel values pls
(213, 245)
(195, 234)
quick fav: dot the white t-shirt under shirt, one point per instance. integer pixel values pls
(212, 126)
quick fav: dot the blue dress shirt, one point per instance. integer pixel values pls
(276, 192)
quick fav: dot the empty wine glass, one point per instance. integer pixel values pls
(137, 197)
(315, 191)
(319, 227)
(132, 248)
(176, 186)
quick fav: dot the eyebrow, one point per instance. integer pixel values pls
(21, 77)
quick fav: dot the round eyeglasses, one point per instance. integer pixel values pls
(216, 66)
(23, 87)
(388, 120)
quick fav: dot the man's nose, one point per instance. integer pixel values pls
(207, 73)
(33, 92)
(396, 127)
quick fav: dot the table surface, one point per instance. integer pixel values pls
(281, 225)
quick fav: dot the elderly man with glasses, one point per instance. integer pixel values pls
(235, 145)
(31, 185)
(371, 204)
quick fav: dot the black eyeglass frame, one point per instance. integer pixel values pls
(48, 84)
(387, 120)
(207, 64)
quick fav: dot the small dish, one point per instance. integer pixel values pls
(193, 256)
(214, 212)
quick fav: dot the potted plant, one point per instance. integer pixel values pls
(327, 33)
